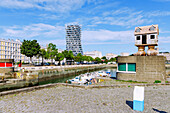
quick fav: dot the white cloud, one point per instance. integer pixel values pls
(46, 33)
(57, 42)
(49, 16)
(48, 5)
(106, 37)
(158, 13)
(36, 31)
(121, 17)
(162, 0)
(164, 39)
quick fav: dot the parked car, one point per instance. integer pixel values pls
(46, 64)
(37, 64)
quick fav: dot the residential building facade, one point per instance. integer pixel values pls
(110, 55)
(10, 49)
(73, 39)
(93, 54)
(124, 54)
(165, 54)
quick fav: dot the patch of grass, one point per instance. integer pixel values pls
(166, 81)
(157, 81)
(128, 86)
(130, 81)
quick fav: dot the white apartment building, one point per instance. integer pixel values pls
(93, 54)
(165, 54)
(110, 55)
(124, 54)
(10, 49)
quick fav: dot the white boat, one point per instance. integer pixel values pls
(82, 79)
(75, 80)
(102, 73)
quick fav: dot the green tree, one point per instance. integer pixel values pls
(59, 57)
(104, 58)
(87, 58)
(112, 60)
(68, 55)
(78, 58)
(42, 54)
(65, 53)
(106, 61)
(98, 60)
(51, 52)
(30, 48)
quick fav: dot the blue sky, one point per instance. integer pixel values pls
(107, 25)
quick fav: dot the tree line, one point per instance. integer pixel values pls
(32, 48)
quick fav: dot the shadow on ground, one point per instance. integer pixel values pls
(159, 111)
(129, 103)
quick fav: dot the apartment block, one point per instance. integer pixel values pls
(93, 54)
(73, 39)
(10, 49)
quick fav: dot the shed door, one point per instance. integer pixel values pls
(143, 39)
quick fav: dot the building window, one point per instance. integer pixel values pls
(152, 28)
(152, 36)
(127, 67)
(137, 37)
(122, 66)
(132, 67)
(138, 30)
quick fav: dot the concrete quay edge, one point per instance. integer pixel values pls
(71, 85)
(62, 67)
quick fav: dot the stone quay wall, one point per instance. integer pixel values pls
(66, 71)
(37, 77)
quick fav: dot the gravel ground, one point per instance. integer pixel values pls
(63, 99)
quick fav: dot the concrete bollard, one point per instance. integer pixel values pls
(138, 98)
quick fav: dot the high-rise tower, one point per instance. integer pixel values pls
(73, 39)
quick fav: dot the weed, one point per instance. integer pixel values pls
(130, 81)
(157, 81)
